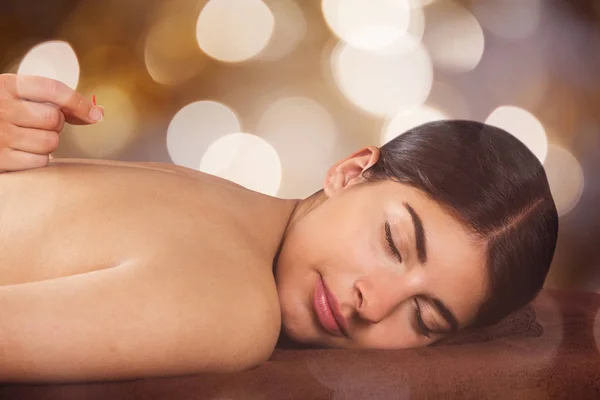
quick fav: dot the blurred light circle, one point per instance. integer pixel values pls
(167, 63)
(234, 30)
(290, 29)
(524, 126)
(245, 159)
(453, 37)
(413, 35)
(367, 24)
(384, 82)
(195, 127)
(420, 3)
(449, 100)
(565, 176)
(116, 131)
(304, 134)
(409, 119)
(416, 25)
(55, 59)
(508, 19)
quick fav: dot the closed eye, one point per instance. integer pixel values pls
(421, 327)
(390, 241)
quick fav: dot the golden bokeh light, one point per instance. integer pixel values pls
(367, 24)
(168, 63)
(384, 82)
(54, 59)
(565, 176)
(509, 19)
(12, 67)
(453, 37)
(524, 126)
(290, 29)
(304, 134)
(107, 139)
(245, 159)
(409, 119)
(234, 30)
(195, 127)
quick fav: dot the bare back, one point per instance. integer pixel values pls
(174, 224)
(73, 217)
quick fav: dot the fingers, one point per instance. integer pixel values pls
(35, 141)
(75, 106)
(74, 120)
(28, 114)
(15, 160)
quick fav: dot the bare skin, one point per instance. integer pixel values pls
(119, 270)
(116, 270)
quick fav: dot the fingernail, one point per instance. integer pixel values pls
(96, 114)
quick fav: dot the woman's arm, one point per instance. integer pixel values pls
(131, 321)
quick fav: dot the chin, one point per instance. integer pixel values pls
(294, 324)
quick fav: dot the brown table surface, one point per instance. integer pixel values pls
(562, 362)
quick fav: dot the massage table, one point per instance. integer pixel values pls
(548, 350)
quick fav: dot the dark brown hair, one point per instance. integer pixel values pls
(496, 187)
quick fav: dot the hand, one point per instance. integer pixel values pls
(33, 111)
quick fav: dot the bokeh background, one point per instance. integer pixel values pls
(270, 93)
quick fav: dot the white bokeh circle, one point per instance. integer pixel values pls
(369, 24)
(385, 82)
(565, 177)
(195, 127)
(304, 134)
(454, 38)
(245, 159)
(53, 59)
(234, 30)
(409, 119)
(289, 30)
(523, 125)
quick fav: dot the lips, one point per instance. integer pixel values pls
(327, 309)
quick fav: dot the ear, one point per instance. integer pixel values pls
(348, 172)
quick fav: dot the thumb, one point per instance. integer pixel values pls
(96, 113)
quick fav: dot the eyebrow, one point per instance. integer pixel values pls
(419, 234)
(422, 255)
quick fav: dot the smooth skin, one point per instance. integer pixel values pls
(118, 270)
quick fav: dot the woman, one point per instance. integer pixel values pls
(117, 270)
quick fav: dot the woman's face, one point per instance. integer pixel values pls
(400, 271)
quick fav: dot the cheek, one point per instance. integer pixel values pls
(394, 333)
(339, 237)
(352, 248)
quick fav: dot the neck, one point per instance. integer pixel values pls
(299, 209)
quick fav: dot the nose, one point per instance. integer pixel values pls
(376, 297)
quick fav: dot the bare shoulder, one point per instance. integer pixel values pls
(147, 165)
(160, 166)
